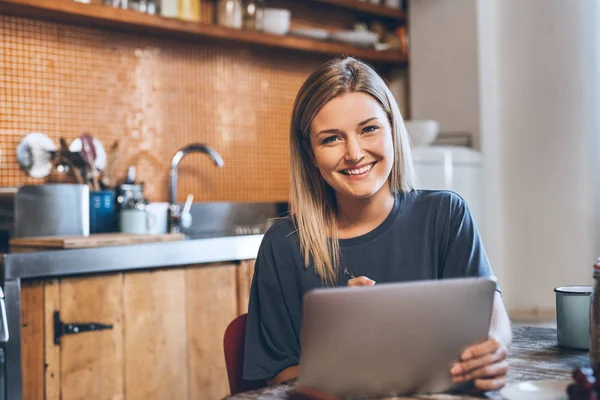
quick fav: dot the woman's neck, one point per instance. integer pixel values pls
(356, 217)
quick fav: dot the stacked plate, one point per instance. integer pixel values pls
(356, 38)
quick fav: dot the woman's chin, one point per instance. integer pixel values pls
(358, 193)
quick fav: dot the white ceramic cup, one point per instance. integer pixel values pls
(276, 21)
(573, 316)
(157, 218)
(134, 221)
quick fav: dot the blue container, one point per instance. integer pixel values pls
(102, 212)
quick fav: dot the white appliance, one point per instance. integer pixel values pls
(454, 168)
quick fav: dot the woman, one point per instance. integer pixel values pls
(355, 212)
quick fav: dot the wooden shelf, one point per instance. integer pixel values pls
(124, 20)
(368, 8)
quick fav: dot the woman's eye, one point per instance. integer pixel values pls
(330, 139)
(370, 129)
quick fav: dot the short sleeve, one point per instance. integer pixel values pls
(272, 343)
(464, 254)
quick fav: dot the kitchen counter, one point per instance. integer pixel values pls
(193, 250)
(17, 267)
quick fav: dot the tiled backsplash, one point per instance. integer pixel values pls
(154, 95)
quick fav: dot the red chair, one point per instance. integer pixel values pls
(234, 344)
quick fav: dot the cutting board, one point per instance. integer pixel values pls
(43, 243)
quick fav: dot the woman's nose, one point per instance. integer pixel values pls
(354, 151)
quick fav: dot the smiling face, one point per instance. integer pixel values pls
(351, 143)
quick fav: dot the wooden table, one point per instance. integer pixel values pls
(534, 356)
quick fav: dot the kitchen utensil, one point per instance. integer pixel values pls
(60, 173)
(188, 203)
(35, 153)
(81, 242)
(129, 195)
(131, 174)
(573, 316)
(102, 211)
(186, 217)
(276, 21)
(552, 389)
(108, 175)
(68, 158)
(89, 155)
(100, 160)
(56, 209)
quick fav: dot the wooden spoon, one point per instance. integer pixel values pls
(108, 175)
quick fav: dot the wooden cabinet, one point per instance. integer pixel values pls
(166, 339)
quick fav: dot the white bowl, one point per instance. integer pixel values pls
(422, 132)
(276, 21)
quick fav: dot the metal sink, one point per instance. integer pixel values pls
(232, 219)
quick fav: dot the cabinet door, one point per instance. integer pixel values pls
(32, 339)
(166, 340)
(245, 274)
(211, 305)
(86, 365)
(156, 362)
(91, 363)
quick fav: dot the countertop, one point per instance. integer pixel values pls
(534, 355)
(194, 250)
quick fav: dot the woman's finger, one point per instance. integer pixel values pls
(489, 346)
(474, 363)
(489, 371)
(486, 385)
(361, 281)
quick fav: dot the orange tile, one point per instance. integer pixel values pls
(155, 95)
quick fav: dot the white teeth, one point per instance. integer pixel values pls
(359, 170)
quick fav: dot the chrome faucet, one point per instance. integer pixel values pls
(178, 219)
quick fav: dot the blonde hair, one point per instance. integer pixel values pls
(312, 200)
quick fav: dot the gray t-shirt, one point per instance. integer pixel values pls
(428, 235)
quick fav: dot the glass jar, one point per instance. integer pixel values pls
(230, 13)
(115, 3)
(254, 15)
(189, 10)
(143, 6)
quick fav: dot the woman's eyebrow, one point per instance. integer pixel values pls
(366, 121)
(329, 131)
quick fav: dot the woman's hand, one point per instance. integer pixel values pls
(484, 363)
(361, 281)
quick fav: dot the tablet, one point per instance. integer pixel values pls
(391, 339)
